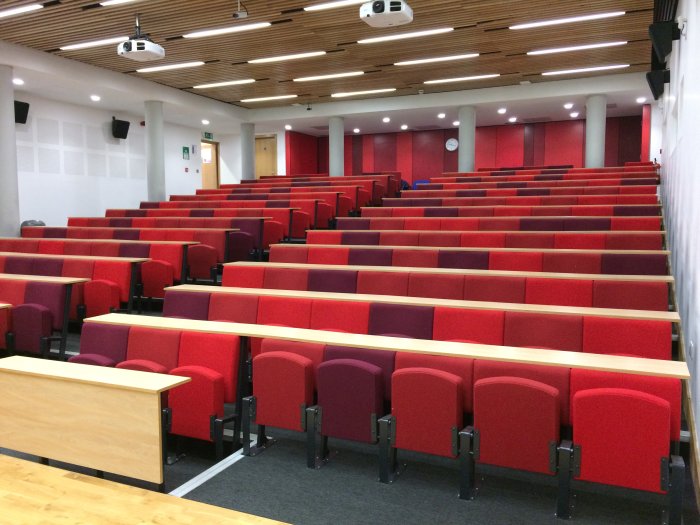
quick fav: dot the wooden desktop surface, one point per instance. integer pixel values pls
(75, 257)
(649, 315)
(456, 271)
(31, 493)
(42, 278)
(610, 363)
(5, 305)
(107, 419)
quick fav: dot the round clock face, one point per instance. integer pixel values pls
(451, 144)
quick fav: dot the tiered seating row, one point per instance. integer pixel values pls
(574, 183)
(648, 189)
(547, 200)
(517, 211)
(522, 177)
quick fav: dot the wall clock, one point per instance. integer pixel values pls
(451, 144)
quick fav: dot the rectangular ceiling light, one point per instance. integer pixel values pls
(95, 43)
(263, 99)
(287, 57)
(436, 59)
(224, 84)
(461, 79)
(333, 5)
(226, 30)
(584, 70)
(574, 48)
(20, 10)
(183, 65)
(115, 2)
(583, 18)
(367, 92)
(401, 36)
(333, 75)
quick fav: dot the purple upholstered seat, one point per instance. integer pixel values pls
(470, 193)
(278, 204)
(55, 232)
(186, 304)
(441, 212)
(134, 250)
(202, 213)
(30, 323)
(102, 344)
(464, 260)
(18, 265)
(633, 264)
(532, 224)
(49, 295)
(370, 257)
(50, 267)
(635, 211)
(120, 222)
(361, 238)
(145, 205)
(350, 392)
(136, 213)
(586, 223)
(380, 358)
(351, 223)
(128, 234)
(340, 281)
(412, 321)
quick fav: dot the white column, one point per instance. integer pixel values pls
(155, 150)
(336, 146)
(595, 131)
(9, 191)
(467, 138)
(247, 151)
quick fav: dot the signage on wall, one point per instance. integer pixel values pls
(185, 153)
(206, 135)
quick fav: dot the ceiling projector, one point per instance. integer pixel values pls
(386, 13)
(139, 47)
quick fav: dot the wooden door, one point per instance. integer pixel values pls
(265, 156)
(210, 165)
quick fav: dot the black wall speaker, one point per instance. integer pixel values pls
(21, 112)
(120, 128)
(656, 81)
(662, 35)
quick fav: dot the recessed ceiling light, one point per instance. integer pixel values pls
(226, 30)
(436, 59)
(573, 114)
(401, 36)
(404, 126)
(288, 127)
(95, 98)
(205, 122)
(183, 65)
(568, 105)
(263, 99)
(512, 119)
(366, 92)
(333, 5)
(569, 20)
(18, 81)
(461, 79)
(332, 75)
(287, 57)
(584, 70)
(227, 83)
(115, 2)
(386, 120)
(95, 43)
(19, 10)
(641, 100)
(574, 48)
(455, 123)
(356, 130)
(502, 111)
(441, 115)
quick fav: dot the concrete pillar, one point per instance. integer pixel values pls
(155, 151)
(336, 147)
(9, 190)
(595, 131)
(247, 151)
(467, 138)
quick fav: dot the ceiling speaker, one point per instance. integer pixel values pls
(21, 112)
(656, 80)
(120, 128)
(662, 35)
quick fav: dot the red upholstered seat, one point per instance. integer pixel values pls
(560, 332)
(194, 403)
(415, 258)
(283, 385)
(436, 285)
(500, 289)
(521, 261)
(286, 278)
(243, 276)
(171, 253)
(346, 316)
(623, 434)
(156, 276)
(382, 283)
(483, 326)
(427, 405)
(201, 261)
(285, 311)
(578, 241)
(571, 262)
(565, 292)
(154, 350)
(399, 238)
(237, 308)
(516, 419)
(218, 352)
(117, 272)
(606, 335)
(31, 323)
(445, 239)
(101, 296)
(529, 240)
(325, 255)
(486, 240)
(288, 253)
(631, 294)
(102, 344)
(104, 249)
(312, 351)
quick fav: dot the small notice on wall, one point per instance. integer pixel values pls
(185, 153)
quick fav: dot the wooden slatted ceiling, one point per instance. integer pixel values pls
(481, 27)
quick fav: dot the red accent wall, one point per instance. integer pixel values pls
(427, 154)
(404, 160)
(564, 143)
(646, 132)
(510, 145)
(485, 143)
(302, 153)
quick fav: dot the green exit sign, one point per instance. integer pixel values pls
(207, 135)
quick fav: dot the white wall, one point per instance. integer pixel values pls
(680, 189)
(68, 163)
(229, 159)
(182, 176)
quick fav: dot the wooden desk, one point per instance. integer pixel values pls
(107, 419)
(31, 493)
(649, 315)
(610, 363)
(68, 282)
(457, 271)
(134, 262)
